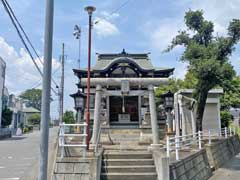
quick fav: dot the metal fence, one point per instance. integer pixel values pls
(191, 141)
(67, 131)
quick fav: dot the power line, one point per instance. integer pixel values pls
(114, 11)
(26, 36)
(19, 34)
(24, 33)
(11, 15)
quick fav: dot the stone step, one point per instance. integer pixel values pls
(128, 176)
(129, 169)
(125, 131)
(119, 148)
(127, 155)
(127, 162)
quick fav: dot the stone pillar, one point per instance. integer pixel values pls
(108, 110)
(169, 121)
(153, 115)
(219, 116)
(193, 122)
(97, 111)
(176, 115)
(139, 110)
(79, 116)
(182, 117)
(236, 120)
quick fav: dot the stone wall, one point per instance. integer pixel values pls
(195, 166)
(77, 168)
(222, 150)
(5, 133)
(71, 169)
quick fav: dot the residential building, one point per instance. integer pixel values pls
(2, 85)
(27, 112)
(16, 105)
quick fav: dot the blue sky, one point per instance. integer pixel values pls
(140, 26)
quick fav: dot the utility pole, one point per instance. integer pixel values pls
(90, 10)
(46, 90)
(61, 91)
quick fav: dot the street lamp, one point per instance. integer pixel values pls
(79, 102)
(168, 104)
(90, 10)
(77, 34)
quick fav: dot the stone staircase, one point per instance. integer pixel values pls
(128, 165)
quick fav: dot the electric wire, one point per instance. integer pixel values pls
(26, 36)
(114, 11)
(22, 39)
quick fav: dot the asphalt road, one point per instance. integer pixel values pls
(19, 156)
(230, 171)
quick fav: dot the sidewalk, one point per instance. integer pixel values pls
(230, 171)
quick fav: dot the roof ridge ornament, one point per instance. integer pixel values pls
(123, 52)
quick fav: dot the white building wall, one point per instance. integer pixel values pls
(2, 82)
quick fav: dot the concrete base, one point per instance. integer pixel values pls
(146, 135)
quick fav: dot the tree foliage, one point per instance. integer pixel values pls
(34, 119)
(68, 117)
(207, 55)
(6, 117)
(32, 98)
(231, 96)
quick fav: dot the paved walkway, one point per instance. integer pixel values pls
(230, 171)
(19, 155)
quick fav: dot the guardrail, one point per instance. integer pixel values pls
(63, 134)
(192, 141)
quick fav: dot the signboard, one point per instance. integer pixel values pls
(124, 118)
(125, 86)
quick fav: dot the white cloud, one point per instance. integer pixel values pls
(20, 72)
(180, 70)
(104, 27)
(161, 33)
(219, 12)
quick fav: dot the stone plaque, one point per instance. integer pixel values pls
(125, 86)
(124, 117)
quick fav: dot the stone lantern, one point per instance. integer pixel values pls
(79, 101)
(168, 105)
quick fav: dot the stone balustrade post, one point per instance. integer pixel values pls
(153, 114)
(97, 111)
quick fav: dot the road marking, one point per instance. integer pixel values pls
(26, 164)
(28, 158)
(2, 167)
(15, 178)
(10, 157)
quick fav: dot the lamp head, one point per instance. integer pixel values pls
(90, 9)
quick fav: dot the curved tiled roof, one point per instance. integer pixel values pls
(105, 64)
(140, 61)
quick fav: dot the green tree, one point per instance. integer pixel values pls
(68, 117)
(189, 82)
(32, 98)
(231, 96)
(207, 55)
(6, 117)
(173, 85)
(226, 117)
(34, 119)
